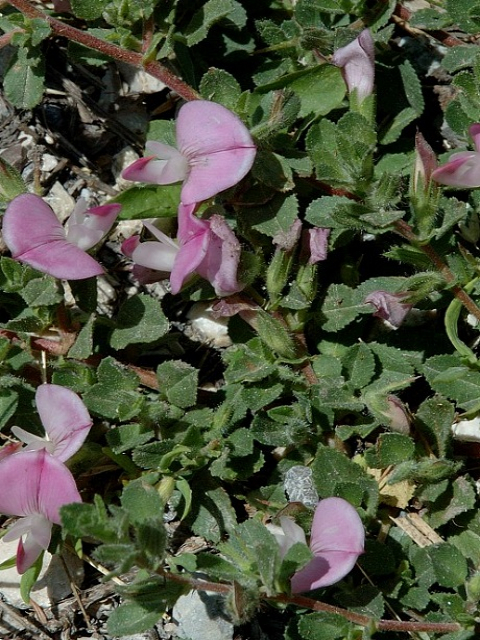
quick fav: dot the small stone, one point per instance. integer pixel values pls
(49, 162)
(200, 615)
(206, 329)
(121, 161)
(299, 486)
(60, 201)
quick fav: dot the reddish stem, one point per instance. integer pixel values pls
(406, 232)
(154, 68)
(316, 605)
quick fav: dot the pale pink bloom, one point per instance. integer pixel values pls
(336, 541)
(65, 419)
(206, 247)
(389, 306)
(425, 163)
(34, 235)
(462, 168)
(357, 62)
(35, 486)
(318, 244)
(214, 151)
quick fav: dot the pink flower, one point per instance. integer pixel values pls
(357, 61)
(463, 168)
(215, 151)
(425, 164)
(34, 235)
(318, 244)
(206, 247)
(389, 306)
(336, 541)
(65, 419)
(35, 486)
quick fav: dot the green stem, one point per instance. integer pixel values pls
(152, 67)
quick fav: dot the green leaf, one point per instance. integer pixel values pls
(221, 87)
(113, 396)
(461, 497)
(397, 125)
(434, 419)
(139, 320)
(450, 377)
(390, 449)
(465, 13)
(133, 618)
(212, 513)
(42, 292)
(274, 334)
(248, 362)
(271, 222)
(83, 346)
(320, 89)
(359, 364)
(412, 87)
(29, 578)
(323, 626)
(443, 564)
(178, 383)
(128, 436)
(336, 475)
(210, 13)
(11, 182)
(88, 9)
(23, 83)
(459, 57)
(342, 306)
(151, 201)
(142, 502)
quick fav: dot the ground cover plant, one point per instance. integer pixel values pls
(304, 173)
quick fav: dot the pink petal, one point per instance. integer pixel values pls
(87, 228)
(425, 161)
(129, 245)
(163, 165)
(34, 235)
(474, 132)
(155, 255)
(28, 552)
(318, 241)
(37, 531)
(220, 264)
(219, 148)
(461, 170)
(336, 541)
(29, 223)
(389, 306)
(189, 225)
(38, 483)
(33, 442)
(210, 174)
(65, 418)
(187, 260)
(323, 571)
(357, 61)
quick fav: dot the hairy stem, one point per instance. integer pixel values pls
(154, 68)
(406, 232)
(317, 605)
